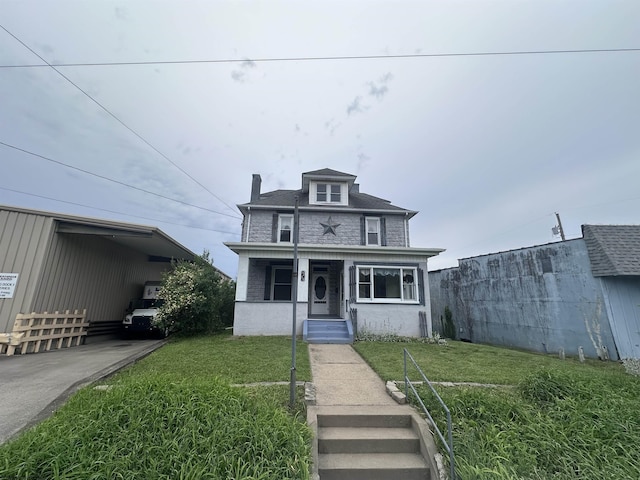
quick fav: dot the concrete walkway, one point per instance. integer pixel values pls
(342, 378)
(34, 385)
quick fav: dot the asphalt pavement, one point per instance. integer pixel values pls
(34, 385)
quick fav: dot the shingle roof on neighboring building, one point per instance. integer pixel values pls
(613, 249)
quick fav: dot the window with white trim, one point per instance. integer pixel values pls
(373, 230)
(281, 279)
(387, 284)
(285, 228)
(328, 193)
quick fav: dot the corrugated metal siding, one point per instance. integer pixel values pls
(24, 240)
(540, 298)
(623, 295)
(87, 271)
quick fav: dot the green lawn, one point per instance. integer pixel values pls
(175, 415)
(558, 419)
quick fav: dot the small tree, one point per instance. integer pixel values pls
(449, 327)
(196, 299)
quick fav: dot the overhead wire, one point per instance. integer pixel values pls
(112, 115)
(87, 172)
(116, 211)
(325, 58)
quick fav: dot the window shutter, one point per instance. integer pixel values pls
(352, 284)
(383, 232)
(363, 231)
(421, 293)
(267, 283)
(274, 229)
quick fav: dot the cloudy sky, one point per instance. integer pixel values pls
(432, 104)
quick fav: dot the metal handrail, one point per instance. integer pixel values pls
(408, 384)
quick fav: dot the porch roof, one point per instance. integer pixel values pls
(284, 250)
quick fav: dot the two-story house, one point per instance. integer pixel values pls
(355, 262)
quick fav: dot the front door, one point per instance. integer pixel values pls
(320, 293)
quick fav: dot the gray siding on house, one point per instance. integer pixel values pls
(540, 298)
(312, 232)
(24, 240)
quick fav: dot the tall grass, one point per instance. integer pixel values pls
(557, 419)
(155, 421)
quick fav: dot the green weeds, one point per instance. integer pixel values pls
(554, 419)
(174, 416)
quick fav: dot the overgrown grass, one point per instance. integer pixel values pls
(174, 415)
(234, 359)
(467, 362)
(560, 419)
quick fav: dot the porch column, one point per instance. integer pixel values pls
(242, 278)
(303, 285)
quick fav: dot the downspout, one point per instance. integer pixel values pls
(406, 229)
(246, 239)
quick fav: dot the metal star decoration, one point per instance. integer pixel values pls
(329, 227)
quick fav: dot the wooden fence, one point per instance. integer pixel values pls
(41, 332)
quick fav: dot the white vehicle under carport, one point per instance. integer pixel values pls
(141, 318)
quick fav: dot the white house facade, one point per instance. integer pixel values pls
(355, 263)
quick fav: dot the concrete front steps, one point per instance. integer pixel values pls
(327, 331)
(370, 443)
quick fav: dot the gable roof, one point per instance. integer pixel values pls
(613, 249)
(326, 174)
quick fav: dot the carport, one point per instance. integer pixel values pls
(70, 265)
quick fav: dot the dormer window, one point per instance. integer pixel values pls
(328, 193)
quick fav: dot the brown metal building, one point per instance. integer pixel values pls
(54, 262)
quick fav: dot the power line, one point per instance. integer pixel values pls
(114, 181)
(115, 211)
(117, 119)
(315, 59)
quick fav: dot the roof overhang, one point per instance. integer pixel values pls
(284, 250)
(244, 208)
(147, 240)
(142, 238)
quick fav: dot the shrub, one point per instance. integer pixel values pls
(196, 299)
(449, 327)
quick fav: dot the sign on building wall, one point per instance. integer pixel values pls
(8, 283)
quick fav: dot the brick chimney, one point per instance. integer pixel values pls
(255, 187)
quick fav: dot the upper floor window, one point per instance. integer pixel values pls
(285, 228)
(328, 193)
(372, 230)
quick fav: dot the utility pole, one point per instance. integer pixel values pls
(294, 301)
(560, 227)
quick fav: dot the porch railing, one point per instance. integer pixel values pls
(409, 385)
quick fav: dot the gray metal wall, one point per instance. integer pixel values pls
(59, 271)
(87, 271)
(540, 298)
(622, 295)
(24, 240)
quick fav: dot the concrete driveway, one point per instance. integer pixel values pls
(33, 386)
